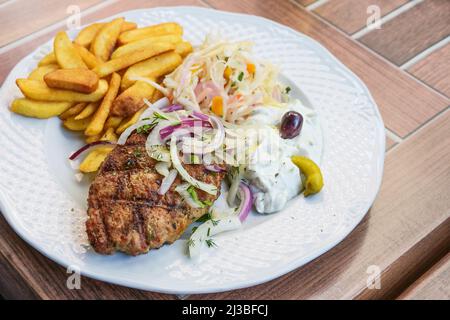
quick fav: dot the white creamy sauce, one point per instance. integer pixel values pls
(273, 177)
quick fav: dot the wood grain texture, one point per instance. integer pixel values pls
(351, 15)
(404, 103)
(26, 274)
(433, 285)
(411, 32)
(404, 233)
(306, 2)
(389, 143)
(434, 70)
(23, 17)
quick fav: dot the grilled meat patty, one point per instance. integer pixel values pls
(125, 211)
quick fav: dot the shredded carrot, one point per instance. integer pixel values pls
(227, 73)
(217, 105)
(251, 68)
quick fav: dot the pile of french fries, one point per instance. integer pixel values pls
(89, 82)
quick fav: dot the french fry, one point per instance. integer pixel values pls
(73, 111)
(85, 36)
(94, 159)
(38, 90)
(39, 109)
(153, 68)
(40, 72)
(88, 57)
(100, 116)
(151, 31)
(184, 48)
(87, 111)
(113, 122)
(145, 43)
(48, 59)
(127, 26)
(130, 120)
(76, 125)
(66, 55)
(131, 100)
(156, 96)
(90, 139)
(106, 38)
(79, 80)
(109, 135)
(114, 65)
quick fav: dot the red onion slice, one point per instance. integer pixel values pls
(214, 168)
(75, 155)
(246, 196)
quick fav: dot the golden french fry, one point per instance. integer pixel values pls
(156, 96)
(151, 31)
(90, 139)
(114, 65)
(113, 122)
(152, 68)
(145, 43)
(105, 40)
(132, 99)
(76, 125)
(48, 59)
(109, 135)
(94, 159)
(66, 55)
(87, 111)
(184, 48)
(39, 109)
(100, 116)
(88, 57)
(38, 90)
(85, 36)
(79, 80)
(40, 72)
(130, 120)
(73, 111)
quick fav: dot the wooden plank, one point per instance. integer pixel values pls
(433, 285)
(434, 70)
(389, 143)
(10, 58)
(306, 2)
(351, 15)
(405, 104)
(411, 32)
(405, 232)
(23, 17)
(24, 272)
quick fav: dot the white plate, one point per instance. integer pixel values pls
(46, 206)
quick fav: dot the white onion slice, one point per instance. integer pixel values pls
(162, 168)
(199, 147)
(209, 188)
(152, 107)
(124, 136)
(182, 190)
(167, 182)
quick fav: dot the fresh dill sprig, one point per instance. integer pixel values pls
(210, 243)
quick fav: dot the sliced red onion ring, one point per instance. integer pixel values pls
(185, 123)
(214, 168)
(172, 108)
(246, 196)
(167, 182)
(88, 146)
(200, 115)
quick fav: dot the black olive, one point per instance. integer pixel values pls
(291, 125)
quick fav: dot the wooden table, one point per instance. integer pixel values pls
(405, 64)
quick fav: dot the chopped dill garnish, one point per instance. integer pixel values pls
(210, 243)
(191, 243)
(241, 76)
(288, 89)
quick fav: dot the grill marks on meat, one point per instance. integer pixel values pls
(125, 211)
